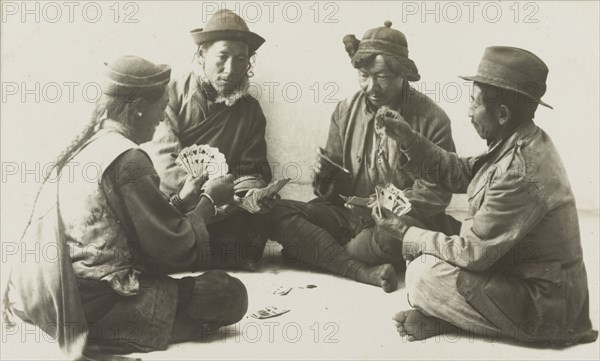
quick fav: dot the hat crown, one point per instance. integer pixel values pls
(517, 59)
(226, 20)
(513, 69)
(227, 25)
(133, 66)
(386, 34)
(130, 74)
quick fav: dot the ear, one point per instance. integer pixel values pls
(138, 106)
(504, 115)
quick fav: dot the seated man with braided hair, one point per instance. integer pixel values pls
(341, 238)
(211, 105)
(119, 236)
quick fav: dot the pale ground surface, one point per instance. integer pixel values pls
(339, 319)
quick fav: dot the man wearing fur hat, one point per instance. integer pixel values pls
(211, 105)
(342, 238)
(516, 270)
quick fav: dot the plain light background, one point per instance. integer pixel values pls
(50, 56)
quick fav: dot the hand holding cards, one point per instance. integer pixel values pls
(328, 175)
(251, 201)
(391, 123)
(198, 160)
(393, 199)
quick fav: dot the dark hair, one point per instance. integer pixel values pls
(393, 62)
(521, 106)
(202, 48)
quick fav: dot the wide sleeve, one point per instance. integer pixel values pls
(426, 197)
(166, 236)
(511, 207)
(253, 158)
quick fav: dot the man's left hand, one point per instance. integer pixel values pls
(363, 212)
(392, 224)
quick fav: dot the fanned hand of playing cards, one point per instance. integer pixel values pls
(251, 201)
(203, 159)
(392, 198)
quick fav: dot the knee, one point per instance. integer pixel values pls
(388, 244)
(238, 300)
(218, 297)
(422, 279)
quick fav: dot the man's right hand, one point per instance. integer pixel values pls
(326, 179)
(395, 126)
(220, 189)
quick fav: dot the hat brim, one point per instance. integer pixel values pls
(499, 84)
(408, 68)
(253, 40)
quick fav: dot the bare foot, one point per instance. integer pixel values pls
(417, 326)
(383, 276)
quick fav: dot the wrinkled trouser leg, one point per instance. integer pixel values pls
(168, 310)
(237, 241)
(206, 303)
(431, 289)
(314, 233)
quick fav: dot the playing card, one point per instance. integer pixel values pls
(379, 125)
(202, 159)
(282, 291)
(322, 155)
(180, 163)
(357, 201)
(393, 199)
(251, 201)
(185, 158)
(268, 312)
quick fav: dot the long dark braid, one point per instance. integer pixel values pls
(60, 162)
(88, 131)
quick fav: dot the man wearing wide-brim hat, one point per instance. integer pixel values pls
(340, 237)
(211, 105)
(516, 269)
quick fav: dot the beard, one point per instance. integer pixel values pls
(227, 95)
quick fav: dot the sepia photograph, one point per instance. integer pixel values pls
(300, 180)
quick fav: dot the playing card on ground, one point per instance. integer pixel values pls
(268, 312)
(282, 290)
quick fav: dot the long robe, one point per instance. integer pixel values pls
(519, 248)
(191, 118)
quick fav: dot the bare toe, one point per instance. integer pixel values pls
(387, 276)
(419, 326)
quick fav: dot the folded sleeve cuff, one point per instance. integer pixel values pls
(411, 243)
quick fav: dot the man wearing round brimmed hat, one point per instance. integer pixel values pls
(341, 238)
(211, 105)
(516, 269)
